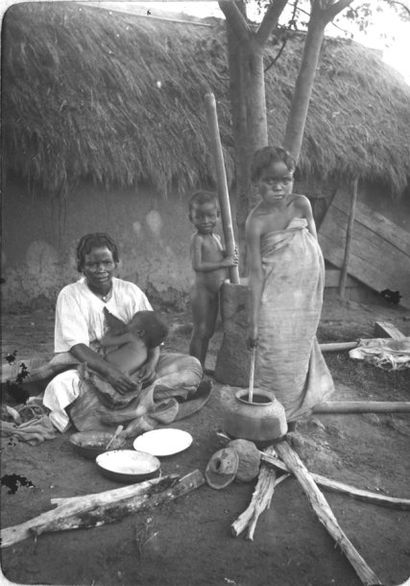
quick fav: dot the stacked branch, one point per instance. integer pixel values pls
(402, 504)
(325, 514)
(261, 499)
(289, 462)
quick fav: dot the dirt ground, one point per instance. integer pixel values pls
(188, 541)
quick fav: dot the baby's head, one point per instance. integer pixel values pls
(145, 325)
(265, 157)
(149, 327)
(203, 210)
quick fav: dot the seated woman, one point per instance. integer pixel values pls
(82, 320)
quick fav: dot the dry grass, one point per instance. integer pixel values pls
(81, 99)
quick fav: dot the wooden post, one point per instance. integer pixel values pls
(349, 232)
(222, 182)
(385, 329)
(362, 407)
(337, 346)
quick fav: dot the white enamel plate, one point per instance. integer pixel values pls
(163, 442)
(128, 465)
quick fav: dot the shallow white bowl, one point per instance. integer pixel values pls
(128, 465)
(163, 442)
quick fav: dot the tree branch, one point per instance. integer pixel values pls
(402, 6)
(270, 20)
(279, 53)
(235, 19)
(333, 24)
(331, 11)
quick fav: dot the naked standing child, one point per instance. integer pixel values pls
(210, 263)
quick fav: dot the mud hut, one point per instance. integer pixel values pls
(104, 129)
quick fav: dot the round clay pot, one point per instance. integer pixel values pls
(261, 420)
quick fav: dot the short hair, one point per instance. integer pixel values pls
(155, 330)
(95, 240)
(264, 157)
(200, 197)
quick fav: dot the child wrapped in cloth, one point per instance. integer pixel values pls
(157, 402)
(286, 282)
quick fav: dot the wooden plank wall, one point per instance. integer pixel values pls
(380, 253)
(332, 279)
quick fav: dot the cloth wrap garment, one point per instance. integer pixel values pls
(80, 318)
(289, 361)
(176, 393)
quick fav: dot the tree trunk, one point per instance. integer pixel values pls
(248, 116)
(237, 76)
(256, 103)
(247, 95)
(304, 84)
(322, 12)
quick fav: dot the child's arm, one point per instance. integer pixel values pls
(112, 339)
(199, 265)
(255, 283)
(147, 370)
(304, 203)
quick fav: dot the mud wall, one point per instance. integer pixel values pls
(40, 236)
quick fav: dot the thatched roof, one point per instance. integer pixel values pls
(81, 100)
(358, 118)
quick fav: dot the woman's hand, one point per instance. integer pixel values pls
(121, 381)
(146, 373)
(252, 339)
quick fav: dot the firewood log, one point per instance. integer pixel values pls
(271, 459)
(363, 407)
(337, 346)
(360, 494)
(78, 507)
(325, 514)
(115, 511)
(260, 501)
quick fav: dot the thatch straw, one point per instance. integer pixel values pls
(358, 117)
(81, 100)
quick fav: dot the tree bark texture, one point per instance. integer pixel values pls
(260, 501)
(247, 95)
(105, 507)
(322, 12)
(295, 126)
(401, 504)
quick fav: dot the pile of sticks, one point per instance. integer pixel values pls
(282, 457)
